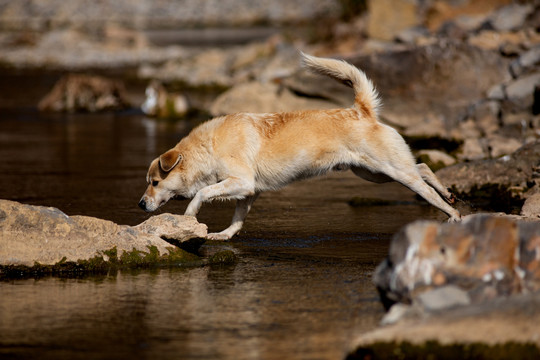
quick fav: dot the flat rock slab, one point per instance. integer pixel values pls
(31, 235)
(502, 329)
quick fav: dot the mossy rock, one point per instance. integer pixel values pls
(105, 262)
(435, 350)
(223, 257)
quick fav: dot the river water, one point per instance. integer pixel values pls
(301, 289)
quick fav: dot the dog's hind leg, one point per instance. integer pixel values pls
(432, 180)
(242, 209)
(416, 183)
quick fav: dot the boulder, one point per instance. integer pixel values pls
(46, 236)
(485, 256)
(510, 17)
(435, 77)
(501, 329)
(459, 290)
(264, 97)
(498, 181)
(78, 92)
(387, 18)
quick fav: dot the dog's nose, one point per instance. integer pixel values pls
(142, 204)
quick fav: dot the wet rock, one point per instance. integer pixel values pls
(46, 236)
(164, 104)
(495, 180)
(484, 256)
(75, 93)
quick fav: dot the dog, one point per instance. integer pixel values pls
(241, 155)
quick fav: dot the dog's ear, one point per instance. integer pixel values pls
(169, 160)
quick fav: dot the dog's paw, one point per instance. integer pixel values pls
(218, 236)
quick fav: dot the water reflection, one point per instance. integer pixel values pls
(268, 307)
(301, 290)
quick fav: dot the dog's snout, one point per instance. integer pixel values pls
(142, 204)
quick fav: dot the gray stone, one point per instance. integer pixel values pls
(520, 92)
(442, 298)
(510, 17)
(527, 61)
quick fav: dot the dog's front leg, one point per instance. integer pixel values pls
(242, 209)
(232, 187)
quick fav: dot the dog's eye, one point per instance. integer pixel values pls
(155, 183)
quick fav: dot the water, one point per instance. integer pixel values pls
(301, 290)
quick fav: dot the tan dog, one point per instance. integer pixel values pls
(241, 155)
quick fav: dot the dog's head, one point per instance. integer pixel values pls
(165, 181)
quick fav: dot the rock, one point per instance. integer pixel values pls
(412, 35)
(168, 14)
(484, 256)
(520, 92)
(387, 18)
(486, 115)
(494, 180)
(506, 328)
(443, 298)
(499, 145)
(74, 93)
(263, 97)
(467, 15)
(208, 68)
(510, 17)
(435, 77)
(531, 207)
(46, 236)
(163, 104)
(435, 159)
(527, 61)
(473, 149)
(496, 92)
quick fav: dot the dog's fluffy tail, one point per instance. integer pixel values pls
(366, 98)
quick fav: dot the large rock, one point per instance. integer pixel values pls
(495, 180)
(463, 287)
(485, 256)
(264, 97)
(502, 329)
(47, 236)
(76, 92)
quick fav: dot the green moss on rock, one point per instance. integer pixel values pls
(223, 257)
(435, 350)
(106, 261)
